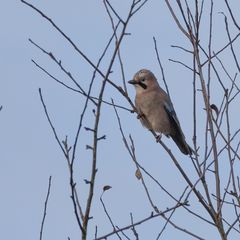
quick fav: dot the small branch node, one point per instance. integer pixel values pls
(87, 181)
(89, 129)
(102, 138)
(88, 147)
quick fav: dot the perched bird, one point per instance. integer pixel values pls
(156, 110)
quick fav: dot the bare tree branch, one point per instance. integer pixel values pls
(45, 207)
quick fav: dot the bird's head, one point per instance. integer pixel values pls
(144, 80)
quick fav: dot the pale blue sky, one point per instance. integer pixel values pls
(29, 152)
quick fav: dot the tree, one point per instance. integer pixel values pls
(208, 193)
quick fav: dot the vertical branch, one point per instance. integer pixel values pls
(109, 218)
(65, 149)
(206, 98)
(133, 228)
(209, 81)
(194, 39)
(231, 45)
(210, 48)
(231, 159)
(106, 3)
(212, 134)
(88, 94)
(171, 214)
(45, 207)
(176, 19)
(194, 106)
(75, 201)
(232, 16)
(97, 120)
(160, 65)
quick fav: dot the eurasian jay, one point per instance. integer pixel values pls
(156, 110)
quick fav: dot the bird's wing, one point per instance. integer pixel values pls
(177, 136)
(173, 118)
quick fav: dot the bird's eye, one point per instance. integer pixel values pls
(143, 79)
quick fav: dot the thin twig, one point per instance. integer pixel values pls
(183, 64)
(176, 19)
(45, 207)
(152, 216)
(161, 67)
(109, 217)
(50, 122)
(133, 228)
(168, 218)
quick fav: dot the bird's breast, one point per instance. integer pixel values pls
(152, 107)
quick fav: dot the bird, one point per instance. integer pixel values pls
(155, 109)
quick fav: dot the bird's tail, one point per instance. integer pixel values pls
(182, 145)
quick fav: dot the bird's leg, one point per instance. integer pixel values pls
(158, 137)
(140, 115)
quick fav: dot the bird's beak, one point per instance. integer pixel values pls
(132, 82)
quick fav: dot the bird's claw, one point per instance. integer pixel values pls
(140, 115)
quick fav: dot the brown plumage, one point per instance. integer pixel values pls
(154, 103)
